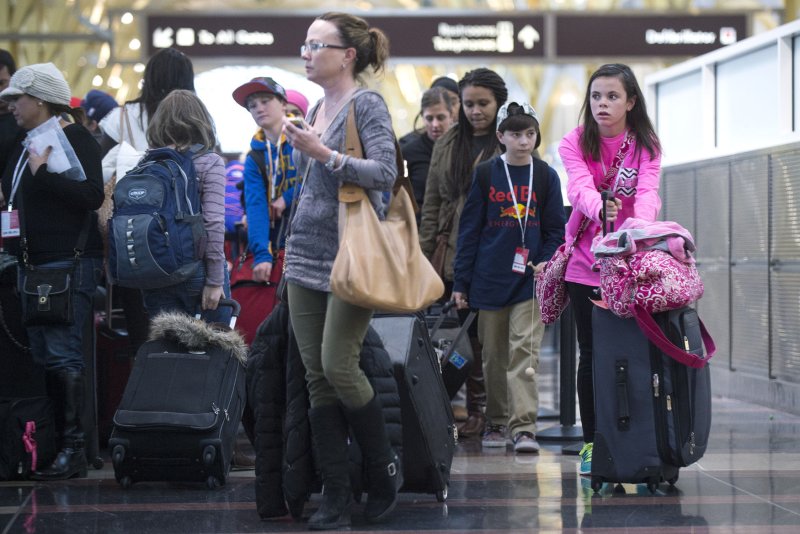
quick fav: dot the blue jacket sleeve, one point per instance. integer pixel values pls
(470, 227)
(255, 196)
(553, 218)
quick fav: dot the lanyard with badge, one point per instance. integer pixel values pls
(521, 253)
(10, 217)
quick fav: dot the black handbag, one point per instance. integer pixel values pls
(47, 296)
(47, 293)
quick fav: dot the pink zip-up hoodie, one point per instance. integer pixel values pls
(636, 185)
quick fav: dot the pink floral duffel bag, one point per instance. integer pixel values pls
(649, 264)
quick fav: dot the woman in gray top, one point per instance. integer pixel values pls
(338, 48)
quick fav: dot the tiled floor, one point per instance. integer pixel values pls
(748, 481)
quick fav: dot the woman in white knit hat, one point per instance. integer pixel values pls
(57, 212)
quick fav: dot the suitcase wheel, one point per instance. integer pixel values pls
(98, 463)
(209, 454)
(652, 485)
(441, 496)
(673, 480)
(212, 482)
(117, 456)
(126, 482)
(597, 483)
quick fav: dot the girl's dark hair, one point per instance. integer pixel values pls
(519, 121)
(78, 114)
(432, 97)
(167, 70)
(461, 164)
(371, 44)
(637, 119)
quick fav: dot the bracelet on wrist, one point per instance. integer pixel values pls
(331, 163)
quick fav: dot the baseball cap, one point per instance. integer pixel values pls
(41, 80)
(97, 104)
(527, 109)
(259, 84)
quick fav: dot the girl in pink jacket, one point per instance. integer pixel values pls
(616, 149)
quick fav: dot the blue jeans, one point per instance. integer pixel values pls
(186, 298)
(61, 347)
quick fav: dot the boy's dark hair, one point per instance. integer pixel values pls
(7, 61)
(519, 121)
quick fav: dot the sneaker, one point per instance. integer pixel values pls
(494, 436)
(525, 442)
(586, 459)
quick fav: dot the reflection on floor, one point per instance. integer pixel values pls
(749, 481)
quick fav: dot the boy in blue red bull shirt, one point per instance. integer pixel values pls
(512, 223)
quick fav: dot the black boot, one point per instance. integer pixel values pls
(384, 473)
(329, 437)
(71, 460)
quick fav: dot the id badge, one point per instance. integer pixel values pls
(10, 223)
(520, 260)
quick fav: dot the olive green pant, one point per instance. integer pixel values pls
(330, 333)
(511, 338)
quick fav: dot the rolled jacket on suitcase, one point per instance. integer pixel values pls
(180, 412)
(429, 431)
(653, 413)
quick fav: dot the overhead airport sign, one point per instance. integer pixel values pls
(498, 36)
(584, 36)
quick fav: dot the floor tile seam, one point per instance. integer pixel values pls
(763, 499)
(17, 514)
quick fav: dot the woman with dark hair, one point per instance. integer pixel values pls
(615, 127)
(57, 212)
(167, 69)
(437, 110)
(338, 49)
(455, 156)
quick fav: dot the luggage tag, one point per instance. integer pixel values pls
(10, 223)
(520, 260)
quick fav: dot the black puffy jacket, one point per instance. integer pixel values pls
(276, 390)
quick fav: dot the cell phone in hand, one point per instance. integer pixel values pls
(297, 122)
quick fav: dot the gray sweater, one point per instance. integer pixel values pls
(314, 238)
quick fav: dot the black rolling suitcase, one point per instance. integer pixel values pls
(451, 343)
(429, 434)
(653, 414)
(180, 412)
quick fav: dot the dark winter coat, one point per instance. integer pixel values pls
(276, 390)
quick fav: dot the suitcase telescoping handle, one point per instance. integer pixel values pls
(606, 196)
(459, 336)
(230, 303)
(442, 314)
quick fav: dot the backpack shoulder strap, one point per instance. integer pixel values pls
(540, 181)
(261, 161)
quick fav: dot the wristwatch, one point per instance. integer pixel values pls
(331, 163)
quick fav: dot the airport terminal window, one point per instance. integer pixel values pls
(680, 104)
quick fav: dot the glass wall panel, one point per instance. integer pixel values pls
(747, 99)
(679, 109)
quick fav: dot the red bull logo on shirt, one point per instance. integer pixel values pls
(517, 212)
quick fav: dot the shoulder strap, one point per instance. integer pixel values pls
(540, 181)
(355, 149)
(261, 162)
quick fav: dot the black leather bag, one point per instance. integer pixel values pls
(47, 296)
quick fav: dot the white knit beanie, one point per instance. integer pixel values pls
(43, 81)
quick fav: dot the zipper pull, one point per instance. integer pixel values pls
(655, 385)
(691, 444)
(686, 343)
(227, 417)
(669, 403)
(214, 408)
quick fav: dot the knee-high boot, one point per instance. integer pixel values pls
(476, 394)
(384, 473)
(71, 459)
(329, 437)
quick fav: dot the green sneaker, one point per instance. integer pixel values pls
(586, 459)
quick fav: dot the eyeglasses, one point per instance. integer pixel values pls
(315, 47)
